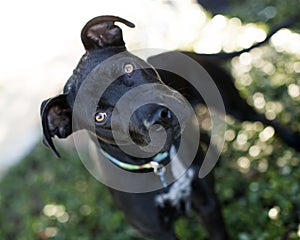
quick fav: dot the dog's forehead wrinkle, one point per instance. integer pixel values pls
(88, 62)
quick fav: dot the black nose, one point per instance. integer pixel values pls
(161, 116)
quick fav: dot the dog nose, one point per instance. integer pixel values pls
(161, 116)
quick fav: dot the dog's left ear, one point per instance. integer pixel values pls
(101, 32)
(56, 117)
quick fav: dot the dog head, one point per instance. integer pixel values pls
(114, 72)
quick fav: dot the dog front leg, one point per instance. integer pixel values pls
(205, 201)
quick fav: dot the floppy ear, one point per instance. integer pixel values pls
(101, 32)
(56, 118)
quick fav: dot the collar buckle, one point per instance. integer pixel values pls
(158, 168)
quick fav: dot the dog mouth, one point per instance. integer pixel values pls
(173, 134)
(170, 135)
(153, 128)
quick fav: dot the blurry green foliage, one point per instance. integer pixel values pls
(45, 197)
(271, 12)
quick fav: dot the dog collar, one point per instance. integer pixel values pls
(155, 164)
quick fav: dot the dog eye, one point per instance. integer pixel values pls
(128, 68)
(100, 117)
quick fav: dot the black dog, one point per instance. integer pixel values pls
(152, 213)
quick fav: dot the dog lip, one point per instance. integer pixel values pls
(157, 127)
(147, 124)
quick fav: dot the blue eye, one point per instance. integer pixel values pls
(128, 68)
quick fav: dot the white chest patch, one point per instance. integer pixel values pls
(179, 194)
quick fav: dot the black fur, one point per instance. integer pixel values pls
(102, 39)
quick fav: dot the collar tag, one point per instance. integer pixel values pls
(159, 170)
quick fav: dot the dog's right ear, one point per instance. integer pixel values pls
(101, 32)
(56, 116)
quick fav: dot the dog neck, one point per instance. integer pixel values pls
(114, 152)
(154, 164)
